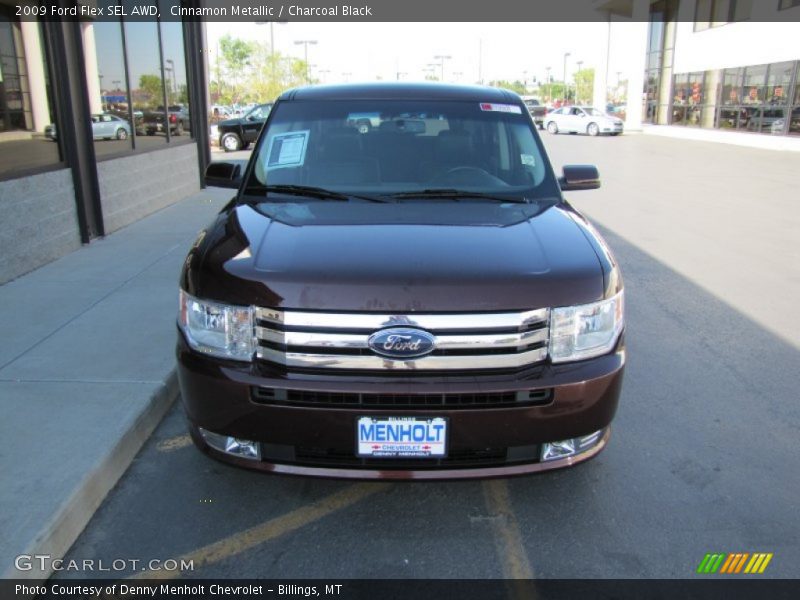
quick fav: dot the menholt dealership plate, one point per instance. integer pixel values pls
(401, 437)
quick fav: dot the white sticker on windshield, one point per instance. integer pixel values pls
(528, 159)
(288, 149)
(507, 108)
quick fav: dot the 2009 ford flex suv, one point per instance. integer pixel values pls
(410, 300)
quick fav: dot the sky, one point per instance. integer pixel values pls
(507, 51)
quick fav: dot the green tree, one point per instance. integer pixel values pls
(514, 86)
(183, 94)
(272, 74)
(555, 90)
(584, 85)
(233, 65)
(153, 88)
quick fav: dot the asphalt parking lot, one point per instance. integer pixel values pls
(703, 455)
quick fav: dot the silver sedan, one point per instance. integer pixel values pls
(104, 127)
(582, 119)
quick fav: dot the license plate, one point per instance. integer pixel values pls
(401, 437)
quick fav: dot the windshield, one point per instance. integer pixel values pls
(258, 112)
(400, 149)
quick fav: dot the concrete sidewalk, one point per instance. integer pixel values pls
(86, 373)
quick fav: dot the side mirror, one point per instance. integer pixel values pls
(224, 174)
(579, 177)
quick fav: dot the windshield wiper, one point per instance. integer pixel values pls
(454, 194)
(314, 192)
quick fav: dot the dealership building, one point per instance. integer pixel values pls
(76, 162)
(719, 66)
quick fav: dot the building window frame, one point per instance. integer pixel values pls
(710, 20)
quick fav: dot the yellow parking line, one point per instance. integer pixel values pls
(244, 540)
(513, 557)
(175, 443)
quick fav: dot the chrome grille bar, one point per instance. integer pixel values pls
(426, 363)
(444, 342)
(429, 322)
(478, 341)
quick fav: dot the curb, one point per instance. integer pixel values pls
(61, 531)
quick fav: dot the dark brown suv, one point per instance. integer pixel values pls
(409, 300)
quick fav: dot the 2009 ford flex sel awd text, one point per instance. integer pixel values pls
(410, 300)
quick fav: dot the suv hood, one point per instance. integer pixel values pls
(412, 264)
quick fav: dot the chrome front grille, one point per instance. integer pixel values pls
(475, 341)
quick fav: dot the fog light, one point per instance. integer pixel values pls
(243, 448)
(232, 445)
(571, 447)
(556, 450)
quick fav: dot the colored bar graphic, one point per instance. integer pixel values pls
(741, 562)
(729, 562)
(767, 558)
(711, 563)
(734, 562)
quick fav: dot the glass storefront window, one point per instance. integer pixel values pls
(731, 87)
(754, 91)
(109, 98)
(26, 104)
(778, 82)
(688, 98)
(757, 98)
(147, 83)
(175, 72)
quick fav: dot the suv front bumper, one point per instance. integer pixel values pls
(318, 439)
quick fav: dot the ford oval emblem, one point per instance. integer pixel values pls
(402, 342)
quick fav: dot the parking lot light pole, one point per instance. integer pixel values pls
(271, 41)
(442, 58)
(579, 63)
(566, 54)
(549, 87)
(305, 43)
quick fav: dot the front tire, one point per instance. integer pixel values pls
(122, 134)
(231, 142)
(552, 127)
(593, 129)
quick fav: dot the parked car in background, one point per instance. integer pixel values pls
(176, 118)
(218, 111)
(105, 126)
(238, 134)
(582, 119)
(419, 301)
(765, 119)
(364, 122)
(779, 125)
(537, 110)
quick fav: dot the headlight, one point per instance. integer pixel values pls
(217, 329)
(586, 331)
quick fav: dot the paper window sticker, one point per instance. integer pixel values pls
(287, 149)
